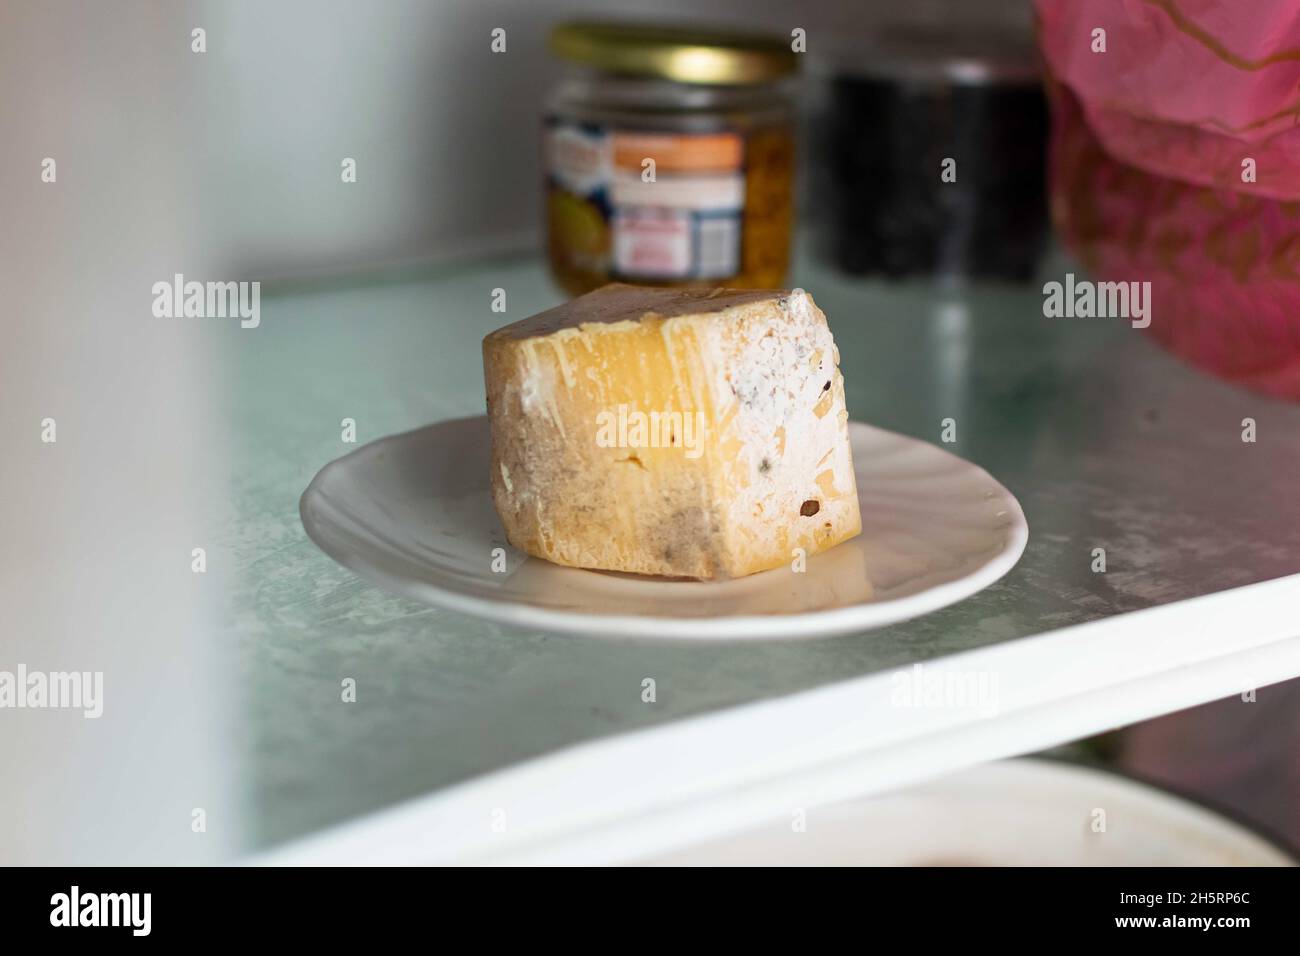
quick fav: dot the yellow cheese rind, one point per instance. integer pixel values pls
(671, 432)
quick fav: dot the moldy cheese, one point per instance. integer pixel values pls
(677, 432)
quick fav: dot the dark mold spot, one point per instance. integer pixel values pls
(810, 507)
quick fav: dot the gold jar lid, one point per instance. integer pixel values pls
(686, 55)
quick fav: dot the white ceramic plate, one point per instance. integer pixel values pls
(1010, 813)
(413, 513)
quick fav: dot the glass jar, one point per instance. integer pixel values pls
(669, 158)
(932, 155)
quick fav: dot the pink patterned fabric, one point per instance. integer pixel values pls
(1148, 143)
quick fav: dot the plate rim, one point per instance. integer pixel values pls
(736, 627)
(1081, 774)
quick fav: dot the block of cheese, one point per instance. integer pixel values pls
(675, 432)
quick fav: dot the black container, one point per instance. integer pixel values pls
(894, 113)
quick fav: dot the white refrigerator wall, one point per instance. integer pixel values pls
(112, 455)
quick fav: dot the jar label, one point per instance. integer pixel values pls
(638, 205)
